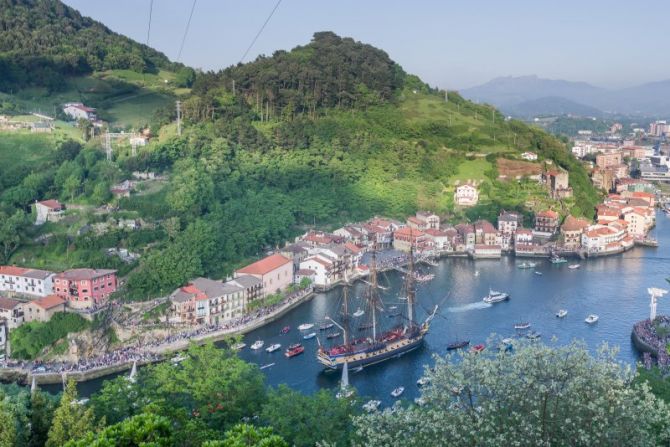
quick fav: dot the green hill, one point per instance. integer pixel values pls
(330, 132)
(44, 41)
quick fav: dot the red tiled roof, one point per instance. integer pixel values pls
(548, 213)
(573, 224)
(265, 265)
(435, 232)
(352, 247)
(7, 303)
(406, 231)
(49, 302)
(305, 272)
(51, 203)
(415, 220)
(83, 274)
(13, 271)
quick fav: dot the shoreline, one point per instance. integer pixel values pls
(24, 376)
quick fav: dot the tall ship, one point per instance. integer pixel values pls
(365, 341)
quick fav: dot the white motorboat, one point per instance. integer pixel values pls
(372, 405)
(591, 318)
(423, 381)
(305, 326)
(308, 336)
(561, 313)
(526, 265)
(398, 391)
(273, 348)
(359, 313)
(258, 344)
(507, 341)
(538, 273)
(476, 273)
(495, 297)
(239, 346)
(574, 266)
(522, 325)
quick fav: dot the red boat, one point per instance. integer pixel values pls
(285, 330)
(478, 348)
(294, 350)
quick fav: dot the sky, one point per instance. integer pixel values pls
(451, 44)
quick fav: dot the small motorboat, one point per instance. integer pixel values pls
(309, 336)
(393, 307)
(398, 391)
(273, 347)
(372, 405)
(478, 348)
(561, 313)
(359, 313)
(294, 350)
(326, 326)
(591, 318)
(538, 273)
(495, 297)
(345, 393)
(533, 335)
(507, 341)
(458, 345)
(333, 335)
(258, 344)
(522, 325)
(574, 266)
(423, 381)
(476, 273)
(267, 365)
(239, 346)
(526, 265)
(424, 278)
(305, 326)
(558, 260)
(285, 330)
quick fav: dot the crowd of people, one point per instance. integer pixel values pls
(647, 332)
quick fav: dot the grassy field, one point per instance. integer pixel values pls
(19, 148)
(472, 170)
(136, 110)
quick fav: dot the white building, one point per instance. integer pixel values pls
(77, 110)
(12, 312)
(530, 156)
(23, 281)
(466, 195)
(48, 211)
(322, 268)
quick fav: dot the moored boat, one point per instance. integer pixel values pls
(478, 348)
(325, 326)
(274, 347)
(526, 265)
(239, 346)
(308, 336)
(522, 325)
(574, 266)
(495, 297)
(423, 381)
(258, 344)
(285, 330)
(359, 313)
(591, 318)
(333, 335)
(397, 392)
(458, 345)
(294, 350)
(561, 313)
(305, 326)
(267, 365)
(558, 260)
(538, 273)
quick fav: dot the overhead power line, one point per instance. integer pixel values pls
(260, 30)
(151, 10)
(188, 25)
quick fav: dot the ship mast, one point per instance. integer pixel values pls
(345, 319)
(409, 284)
(373, 290)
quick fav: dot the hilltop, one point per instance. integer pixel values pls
(330, 132)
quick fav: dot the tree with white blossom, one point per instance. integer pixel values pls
(533, 395)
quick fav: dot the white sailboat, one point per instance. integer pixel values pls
(345, 389)
(133, 372)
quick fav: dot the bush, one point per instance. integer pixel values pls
(30, 339)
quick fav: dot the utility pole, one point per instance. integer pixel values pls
(108, 145)
(179, 118)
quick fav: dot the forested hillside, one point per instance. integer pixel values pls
(44, 41)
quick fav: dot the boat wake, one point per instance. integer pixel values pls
(471, 306)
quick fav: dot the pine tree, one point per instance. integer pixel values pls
(41, 414)
(71, 420)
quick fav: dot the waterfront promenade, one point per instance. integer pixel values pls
(123, 359)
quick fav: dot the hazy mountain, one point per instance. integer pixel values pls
(529, 94)
(551, 105)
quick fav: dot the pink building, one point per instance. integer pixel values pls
(275, 272)
(85, 288)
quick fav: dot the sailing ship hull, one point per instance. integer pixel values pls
(389, 351)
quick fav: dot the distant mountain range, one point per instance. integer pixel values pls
(528, 96)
